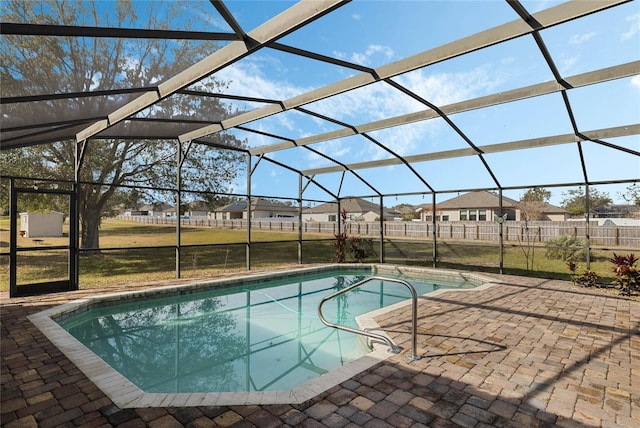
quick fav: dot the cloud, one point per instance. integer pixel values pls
(578, 39)
(356, 17)
(248, 79)
(378, 101)
(633, 29)
(565, 63)
(384, 50)
(635, 81)
(366, 104)
(447, 88)
(370, 53)
(335, 149)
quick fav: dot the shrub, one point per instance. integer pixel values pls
(588, 278)
(340, 246)
(627, 277)
(566, 248)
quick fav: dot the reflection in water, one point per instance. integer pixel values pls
(251, 339)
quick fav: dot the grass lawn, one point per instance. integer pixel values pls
(214, 251)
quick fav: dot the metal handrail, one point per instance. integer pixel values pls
(393, 347)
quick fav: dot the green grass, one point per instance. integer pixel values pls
(214, 251)
(486, 257)
(210, 252)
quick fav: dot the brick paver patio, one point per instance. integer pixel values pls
(525, 353)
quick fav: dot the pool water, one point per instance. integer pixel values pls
(259, 337)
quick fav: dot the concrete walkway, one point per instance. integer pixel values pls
(526, 353)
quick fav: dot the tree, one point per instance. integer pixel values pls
(533, 203)
(632, 195)
(574, 200)
(47, 65)
(407, 211)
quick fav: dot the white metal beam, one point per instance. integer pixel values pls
(619, 131)
(584, 79)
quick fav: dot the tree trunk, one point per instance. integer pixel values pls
(90, 226)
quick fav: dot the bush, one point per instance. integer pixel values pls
(627, 277)
(586, 279)
(566, 248)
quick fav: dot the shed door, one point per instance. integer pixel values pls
(42, 254)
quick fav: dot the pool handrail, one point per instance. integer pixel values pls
(392, 346)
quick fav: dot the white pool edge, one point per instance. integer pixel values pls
(125, 394)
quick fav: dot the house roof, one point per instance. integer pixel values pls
(351, 205)
(480, 199)
(552, 209)
(485, 200)
(258, 204)
(156, 206)
(198, 206)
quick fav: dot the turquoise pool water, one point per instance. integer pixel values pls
(258, 337)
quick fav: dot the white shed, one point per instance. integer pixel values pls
(38, 225)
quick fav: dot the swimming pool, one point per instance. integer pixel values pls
(259, 334)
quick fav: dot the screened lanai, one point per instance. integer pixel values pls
(320, 101)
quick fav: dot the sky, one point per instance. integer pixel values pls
(375, 33)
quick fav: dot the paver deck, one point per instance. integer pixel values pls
(525, 353)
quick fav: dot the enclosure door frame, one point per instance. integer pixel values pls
(69, 284)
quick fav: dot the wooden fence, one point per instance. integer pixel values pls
(513, 231)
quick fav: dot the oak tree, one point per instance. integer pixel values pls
(39, 65)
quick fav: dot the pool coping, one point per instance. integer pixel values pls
(125, 394)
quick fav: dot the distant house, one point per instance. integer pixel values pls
(156, 209)
(357, 210)
(616, 211)
(197, 209)
(191, 209)
(260, 208)
(170, 211)
(484, 206)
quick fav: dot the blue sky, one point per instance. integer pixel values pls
(380, 32)
(377, 33)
